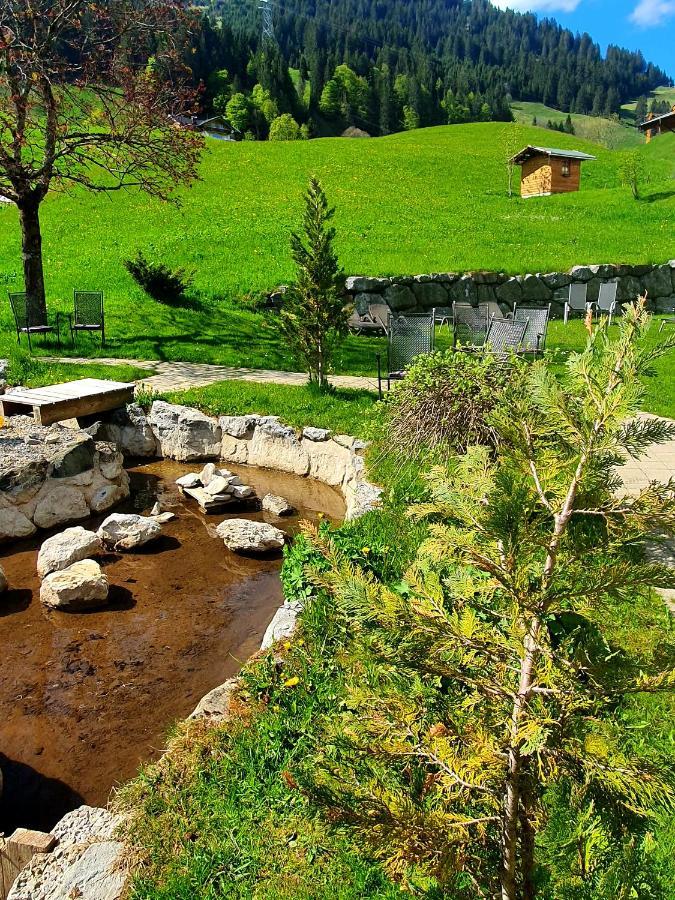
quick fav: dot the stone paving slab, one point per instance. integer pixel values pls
(181, 376)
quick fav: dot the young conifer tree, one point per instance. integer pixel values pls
(489, 677)
(314, 315)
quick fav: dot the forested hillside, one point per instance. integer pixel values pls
(388, 65)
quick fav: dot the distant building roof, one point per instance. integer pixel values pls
(648, 123)
(530, 151)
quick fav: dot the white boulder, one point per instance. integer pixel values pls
(68, 547)
(81, 586)
(126, 531)
(3, 587)
(246, 536)
(184, 433)
(191, 480)
(14, 525)
(59, 503)
(276, 505)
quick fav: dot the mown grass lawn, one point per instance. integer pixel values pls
(430, 200)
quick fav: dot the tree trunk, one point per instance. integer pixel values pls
(527, 836)
(31, 248)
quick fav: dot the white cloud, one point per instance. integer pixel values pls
(548, 5)
(652, 12)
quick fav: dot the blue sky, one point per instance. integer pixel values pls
(646, 25)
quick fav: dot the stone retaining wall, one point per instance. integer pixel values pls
(421, 293)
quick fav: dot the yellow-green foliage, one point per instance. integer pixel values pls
(489, 674)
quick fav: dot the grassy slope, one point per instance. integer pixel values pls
(429, 200)
(662, 93)
(617, 135)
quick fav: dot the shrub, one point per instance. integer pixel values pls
(444, 403)
(284, 128)
(159, 281)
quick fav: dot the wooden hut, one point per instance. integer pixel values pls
(654, 124)
(546, 170)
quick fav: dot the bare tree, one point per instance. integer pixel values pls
(89, 92)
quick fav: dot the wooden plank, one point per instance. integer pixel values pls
(17, 852)
(72, 408)
(72, 399)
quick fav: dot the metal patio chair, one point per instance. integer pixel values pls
(537, 318)
(506, 335)
(606, 302)
(407, 338)
(469, 324)
(576, 300)
(30, 317)
(88, 313)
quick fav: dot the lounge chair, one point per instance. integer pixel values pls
(576, 300)
(469, 324)
(537, 318)
(374, 321)
(30, 317)
(606, 302)
(505, 335)
(407, 338)
(88, 313)
(380, 312)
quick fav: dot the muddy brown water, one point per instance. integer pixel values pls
(85, 698)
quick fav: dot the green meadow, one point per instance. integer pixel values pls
(430, 200)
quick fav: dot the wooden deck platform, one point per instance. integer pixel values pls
(57, 402)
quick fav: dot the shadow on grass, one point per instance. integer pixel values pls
(659, 195)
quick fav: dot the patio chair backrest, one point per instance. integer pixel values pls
(88, 307)
(576, 297)
(607, 295)
(409, 337)
(492, 308)
(380, 312)
(28, 313)
(506, 334)
(537, 323)
(470, 323)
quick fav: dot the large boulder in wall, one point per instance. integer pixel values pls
(184, 433)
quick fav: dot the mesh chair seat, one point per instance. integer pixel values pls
(88, 313)
(469, 324)
(506, 335)
(407, 338)
(537, 318)
(30, 317)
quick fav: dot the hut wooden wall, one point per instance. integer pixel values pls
(543, 175)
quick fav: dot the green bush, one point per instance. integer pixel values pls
(444, 403)
(159, 281)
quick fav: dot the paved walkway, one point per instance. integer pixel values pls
(180, 376)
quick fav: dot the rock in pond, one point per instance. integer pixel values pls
(276, 505)
(68, 547)
(125, 531)
(81, 586)
(246, 536)
(3, 581)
